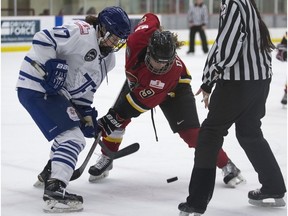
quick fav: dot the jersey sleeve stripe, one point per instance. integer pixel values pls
(22, 73)
(185, 80)
(134, 105)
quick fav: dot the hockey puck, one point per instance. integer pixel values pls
(172, 179)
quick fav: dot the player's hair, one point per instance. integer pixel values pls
(92, 20)
(266, 43)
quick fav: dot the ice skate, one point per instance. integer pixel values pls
(257, 198)
(189, 214)
(58, 200)
(43, 176)
(232, 175)
(186, 210)
(101, 169)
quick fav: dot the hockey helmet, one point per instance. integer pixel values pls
(162, 49)
(116, 21)
(115, 28)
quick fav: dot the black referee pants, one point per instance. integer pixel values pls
(242, 103)
(192, 33)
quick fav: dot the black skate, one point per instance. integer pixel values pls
(186, 210)
(58, 200)
(101, 169)
(44, 175)
(284, 99)
(257, 198)
(232, 175)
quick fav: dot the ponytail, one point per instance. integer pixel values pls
(266, 43)
(92, 20)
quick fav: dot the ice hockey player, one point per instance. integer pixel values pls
(156, 75)
(76, 58)
(282, 56)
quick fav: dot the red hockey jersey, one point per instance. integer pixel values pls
(148, 89)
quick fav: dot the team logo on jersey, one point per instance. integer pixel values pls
(157, 84)
(91, 55)
(72, 114)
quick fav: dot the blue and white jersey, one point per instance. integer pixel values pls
(77, 44)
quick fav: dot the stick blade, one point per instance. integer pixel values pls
(127, 150)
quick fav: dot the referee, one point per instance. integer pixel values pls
(239, 64)
(197, 20)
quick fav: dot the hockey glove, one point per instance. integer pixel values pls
(56, 73)
(89, 126)
(110, 122)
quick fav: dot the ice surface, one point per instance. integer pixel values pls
(137, 185)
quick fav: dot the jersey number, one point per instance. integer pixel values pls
(145, 93)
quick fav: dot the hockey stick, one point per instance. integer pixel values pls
(113, 155)
(130, 149)
(78, 172)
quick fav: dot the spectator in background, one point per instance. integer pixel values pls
(197, 20)
(91, 11)
(45, 12)
(61, 12)
(80, 11)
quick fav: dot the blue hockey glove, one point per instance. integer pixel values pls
(90, 127)
(110, 122)
(56, 70)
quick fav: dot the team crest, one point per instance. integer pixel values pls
(91, 55)
(72, 114)
(157, 84)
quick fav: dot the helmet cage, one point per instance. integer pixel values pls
(111, 40)
(159, 71)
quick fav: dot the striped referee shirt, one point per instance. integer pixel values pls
(198, 15)
(236, 53)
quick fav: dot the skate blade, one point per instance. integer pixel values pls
(95, 179)
(270, 202)
(189, 214)
(183, 213)
(236, 181)
(54, 206)
(38, 184)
